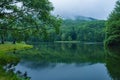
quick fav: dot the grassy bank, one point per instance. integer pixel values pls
(4, 48)
(6, 58)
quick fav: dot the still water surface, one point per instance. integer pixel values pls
(69, 61)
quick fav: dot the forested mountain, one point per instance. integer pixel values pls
(78, 29)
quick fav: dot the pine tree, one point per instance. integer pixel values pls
(113, 27)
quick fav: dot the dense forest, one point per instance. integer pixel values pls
(78, 29)
(82, 30)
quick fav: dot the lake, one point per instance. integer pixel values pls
(69, 61)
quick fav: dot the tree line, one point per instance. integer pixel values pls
(78, 30)
(75, 30)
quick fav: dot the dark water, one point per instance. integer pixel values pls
(69, 61)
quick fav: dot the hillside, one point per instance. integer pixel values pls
(78, 29)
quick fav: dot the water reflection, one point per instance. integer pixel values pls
(62, 61)
(45, 54)
(113, 62)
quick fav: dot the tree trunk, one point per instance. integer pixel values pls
(2, 40)
(14, 41)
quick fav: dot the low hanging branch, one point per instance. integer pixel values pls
(31, 16)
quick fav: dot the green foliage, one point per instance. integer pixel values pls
(113, 40)
(80, 30)
(113, 27)
(30, 17)
(4, 48)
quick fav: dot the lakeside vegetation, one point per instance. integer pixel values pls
(7, 58)
(8, 47)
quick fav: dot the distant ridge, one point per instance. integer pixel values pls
(80, 18)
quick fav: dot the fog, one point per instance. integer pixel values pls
(99, 9)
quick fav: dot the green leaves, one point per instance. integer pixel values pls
(113, 27)
(90, 31)
(22, 16)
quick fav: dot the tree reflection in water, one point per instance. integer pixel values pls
(113, 62)
(48, 56)
(54, 53)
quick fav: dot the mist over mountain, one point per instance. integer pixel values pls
(99, 9)
(79, 18)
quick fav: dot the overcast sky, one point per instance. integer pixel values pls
(98, 9)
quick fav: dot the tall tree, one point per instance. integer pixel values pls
(21, 16)
(113, 27)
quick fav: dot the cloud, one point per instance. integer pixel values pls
(91, 8)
